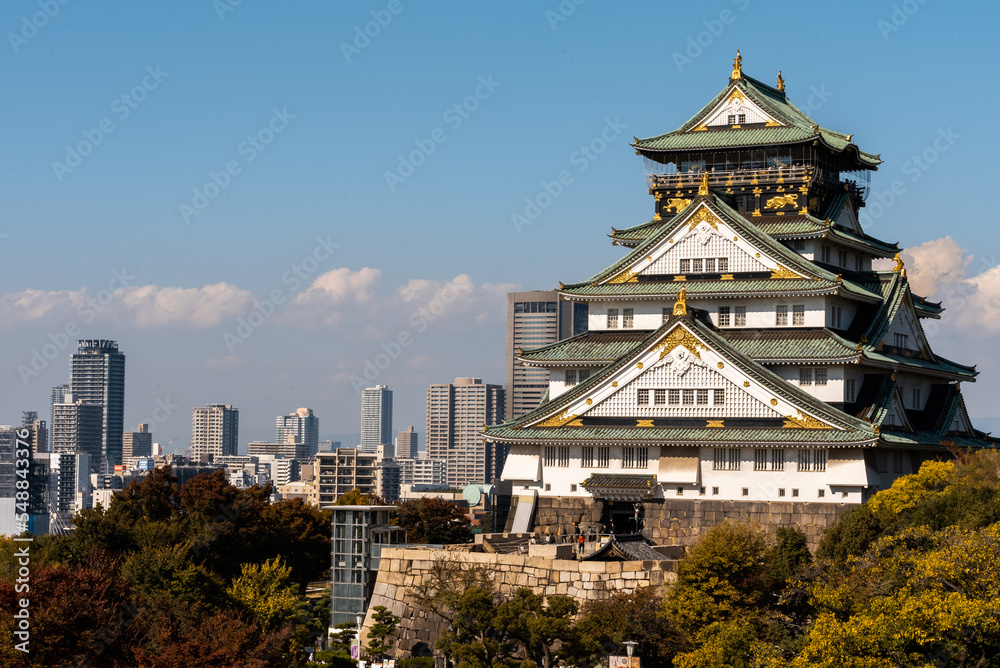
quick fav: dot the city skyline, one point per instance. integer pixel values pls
(322, 287)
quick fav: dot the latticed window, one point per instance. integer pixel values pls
(674, 397)
(720, 397)
(723, 316)
(563, 456)
(549, 457)
(726, 459)
(781, 315)
(628, 457)
(667, 312)
(696, 266)
(740, 316)
(805, 376)
(709, 265)
(798, 315)
(603, 457)
(688, 397)
(641, 458)
(685, 266)
(628, 318)
(702, 397)
(850, 389)
(659, 397)
(768, 459)
(741, 118)
(584, 374)
(571, 376)
(612, 318)
(812, 460)
(587, 457)
(642, 397)
(723, 264)
(821, 375)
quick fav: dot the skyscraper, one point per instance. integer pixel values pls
(376, 417)
(406, 444)
(299, 427)
(138, 443)
(214, 430)
(59, 393)
(97, 376)
(39, 432)
(77, 427)
(456, 415)
(536, 319)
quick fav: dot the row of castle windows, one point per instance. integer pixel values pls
(680, 397)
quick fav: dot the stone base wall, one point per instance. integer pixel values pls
(681, 521)
(401, 569)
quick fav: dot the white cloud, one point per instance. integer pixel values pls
(151, 306)
(342, 284)
(934, 262)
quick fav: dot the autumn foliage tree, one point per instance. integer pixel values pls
(435, 521)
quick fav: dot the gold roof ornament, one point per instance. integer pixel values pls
(703, 188)
(849, 137)
(899, 266)
(781, 82)
(680, 306)
(737, 66)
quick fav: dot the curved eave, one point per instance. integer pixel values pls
(656, 437)
(864, 160)
(798, 361)
(552, 364)
(834, 289)
(967, 375)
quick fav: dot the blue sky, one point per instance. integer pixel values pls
(330, 121)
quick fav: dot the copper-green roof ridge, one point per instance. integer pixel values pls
(766, 377)
(509, 433)
(783, 345)
(799, 126)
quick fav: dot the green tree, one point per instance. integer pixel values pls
(433, 520)
(538, 624)
(382, 633)
(264, 590)
(724, 576)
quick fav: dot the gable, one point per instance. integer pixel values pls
(962, 424)
(906, 324)
(895, 417)
(703, 235)
(684, 363)
(736, 104)
(848, 218)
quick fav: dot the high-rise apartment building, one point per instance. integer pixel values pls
(456, 415)
(422, 472)
(214, 431)
(97, 376)
(345, 469)
(376, 417)
(299, 427)
(78, 427)
(536, 319)
(137, 443)
(38, 432)
(406, 444)
(59, 393)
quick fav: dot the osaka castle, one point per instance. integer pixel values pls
(745, 358)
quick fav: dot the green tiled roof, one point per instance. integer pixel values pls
(851, 429)
(769, 345)
(587, 348)
(620, 481)
(710, 289)
(932, 438)
(798, 127)
(689, 436)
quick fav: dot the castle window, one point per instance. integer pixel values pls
(702, 397)
(825, 254)
(850, 389)
(715, 491)
(587, 458)
(781, 491)
(836, 313)
(812, 460)
(740, 316)
(857, 262)
(549, 456)
(821, 376)
(685, 266)
(768, 459)
(726, 459)
(603, 457)
(688, 397)
(612, 318)
(820, 493)
(799, 245)
(667, 312)
(842, 258)
(628, 457)
(731, 119)
(742, 118)
(696, 265)
(628, 318)
(563, 456)
(795, 493)
(723, 316)
(720, 397)
(805, 376)
(674, 397)
(916, 398)
(781, 315)
(642, 397)
(709, 265)
(571, 376)
(901, 340)
(584, 374)
(723, 264)
(659, 397)
(798, 315)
